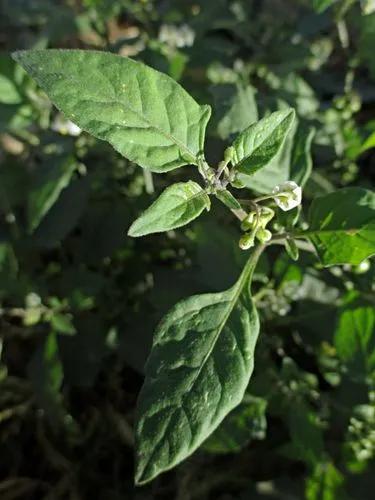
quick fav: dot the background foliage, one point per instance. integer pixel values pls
(79, 299)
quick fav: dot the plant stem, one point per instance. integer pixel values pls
(279, 239)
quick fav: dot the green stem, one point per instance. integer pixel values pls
(279, 239)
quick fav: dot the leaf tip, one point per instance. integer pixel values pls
(132, 232)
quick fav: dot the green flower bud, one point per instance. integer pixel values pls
(246, 241)
(266, 215)
(263, 235)
(248, 222)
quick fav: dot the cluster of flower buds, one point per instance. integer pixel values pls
(255, 226)
(286, 196)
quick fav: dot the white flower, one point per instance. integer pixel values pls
(287, 195)
(65, 127)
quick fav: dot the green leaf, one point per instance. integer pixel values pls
(49, 180)
(245, 423)
(354, 337)
(178, 205)
(235, 108)
(144, 114)
(62, 323)
(200, 365)
(278, 170)
(342, 226)
(306, 434)
(9, 92)
(322, 5)
(369, 143)
(325, 483)
(260, 142)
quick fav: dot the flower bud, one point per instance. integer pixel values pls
(263, 235)
(248, 222)
(246, 241)
(287, 195)
(266, 215)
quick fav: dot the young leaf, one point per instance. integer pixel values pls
(178, 205)
(258, 144)
(200, 365)
(342, 226)
(144, 114)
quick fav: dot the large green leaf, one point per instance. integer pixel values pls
(258, 144)
(176, 206)
(200, 365)
(144, 114)
(342, 226)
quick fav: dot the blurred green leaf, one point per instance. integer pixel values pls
(354, 337)
(49, 180)
(342, 226)
(235, 108)
(244, 424)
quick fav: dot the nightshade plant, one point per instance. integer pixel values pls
(203, 350)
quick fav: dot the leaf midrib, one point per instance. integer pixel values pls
(240, 285)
